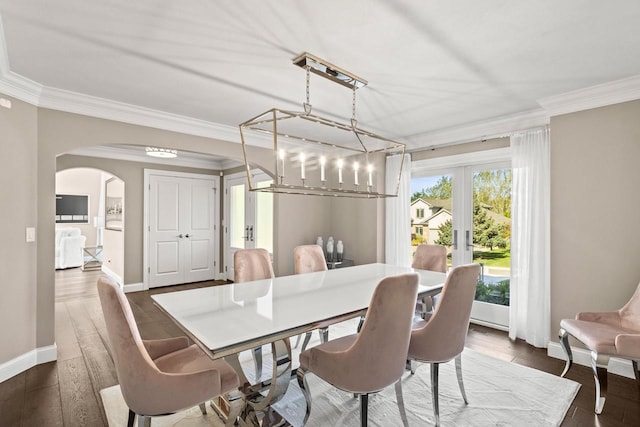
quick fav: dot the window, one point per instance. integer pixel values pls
(420, 213)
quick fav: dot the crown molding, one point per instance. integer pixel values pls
(615, 92)
(73, 102)
(183, 159)
(492, 128)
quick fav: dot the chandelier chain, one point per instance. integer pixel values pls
(353, 105)
(308, 80)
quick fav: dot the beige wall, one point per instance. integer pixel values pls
(595, 159)
(18, 210)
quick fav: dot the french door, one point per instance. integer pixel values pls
(248, 217)
(467, 207)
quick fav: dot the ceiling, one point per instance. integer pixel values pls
(431, 65)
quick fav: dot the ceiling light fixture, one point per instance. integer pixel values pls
(164, 153)
(315, 155)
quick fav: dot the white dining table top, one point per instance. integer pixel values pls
(229, 318)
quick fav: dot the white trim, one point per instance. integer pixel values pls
(582, 357)
(491, 128)
(609, 93)
(419, 167)
(133, 287)
(28, 360)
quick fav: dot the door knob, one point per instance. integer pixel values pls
(187, 235)
(180, 236)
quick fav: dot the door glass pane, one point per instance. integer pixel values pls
(492, 233)
(264, 217)
(236, 216)
(431, 212)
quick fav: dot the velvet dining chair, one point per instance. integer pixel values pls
(441, 338)
(433, 258)
(310, 259)
(159, 377)
(249, 265)
(367, 362)
(605, 334)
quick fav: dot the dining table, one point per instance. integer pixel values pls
(225, 320)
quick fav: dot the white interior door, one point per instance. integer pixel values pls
(248, 217)
(181, 229)
(467, 208)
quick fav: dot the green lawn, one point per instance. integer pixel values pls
(494, 258)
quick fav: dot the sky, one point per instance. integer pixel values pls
(418, 184)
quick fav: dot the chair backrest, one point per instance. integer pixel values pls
(134, 366)
(308, 259)
(443, 337)
(378, 356)
(252, 264)
(630, 313)
(430, 257)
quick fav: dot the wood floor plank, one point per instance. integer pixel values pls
(13, 387)
(66, 341)
(79, 404)
(42, 407)
(11, 411)
(44, 375)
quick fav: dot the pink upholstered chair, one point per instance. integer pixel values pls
(606, 334)
(248, 265)
(309, 259)
(367, 362)
(158, 377)
(433, 258)
(441, 338)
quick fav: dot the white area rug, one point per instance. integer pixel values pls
(500, 394)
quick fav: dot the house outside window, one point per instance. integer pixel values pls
(420, 214)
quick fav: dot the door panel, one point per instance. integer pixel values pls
(249, 217)
(181, 231)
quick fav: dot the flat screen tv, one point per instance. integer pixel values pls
(72, 209)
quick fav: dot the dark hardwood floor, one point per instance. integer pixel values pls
(66, 392)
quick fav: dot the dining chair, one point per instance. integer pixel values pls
(310, 259)
(605, 334)
(249, 265)
(441, 338)
(159, 377)
(433, 258)
(367, 362)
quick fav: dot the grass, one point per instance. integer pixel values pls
(494, 258)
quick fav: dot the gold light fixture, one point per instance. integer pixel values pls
(164, 153)
(315, 155)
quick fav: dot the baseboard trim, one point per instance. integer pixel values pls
(133, 287)
(582, 357)
(27, 360)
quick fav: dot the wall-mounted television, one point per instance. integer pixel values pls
(72, 209)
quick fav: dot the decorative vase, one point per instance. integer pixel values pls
(319, 242)
(330, 250)
(339, 250)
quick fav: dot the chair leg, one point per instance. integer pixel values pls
(400, 399)
(257, 362)
(364, 410)
(600, 377)
(412, 366)
(360, 323)
(298, 341)
(304, 387)
(132, 418)
(564, 340)
(636, 373)
(459, 375)
(203, 408)
(434, 391)
(144, 421)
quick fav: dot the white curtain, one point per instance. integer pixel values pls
(530, 284)
(397, 242)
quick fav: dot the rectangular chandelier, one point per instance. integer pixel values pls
(314, 155)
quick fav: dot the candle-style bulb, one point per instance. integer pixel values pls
(370, 179)
(323, 161)
(340, 163)
(356, 166)
(302, 171)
